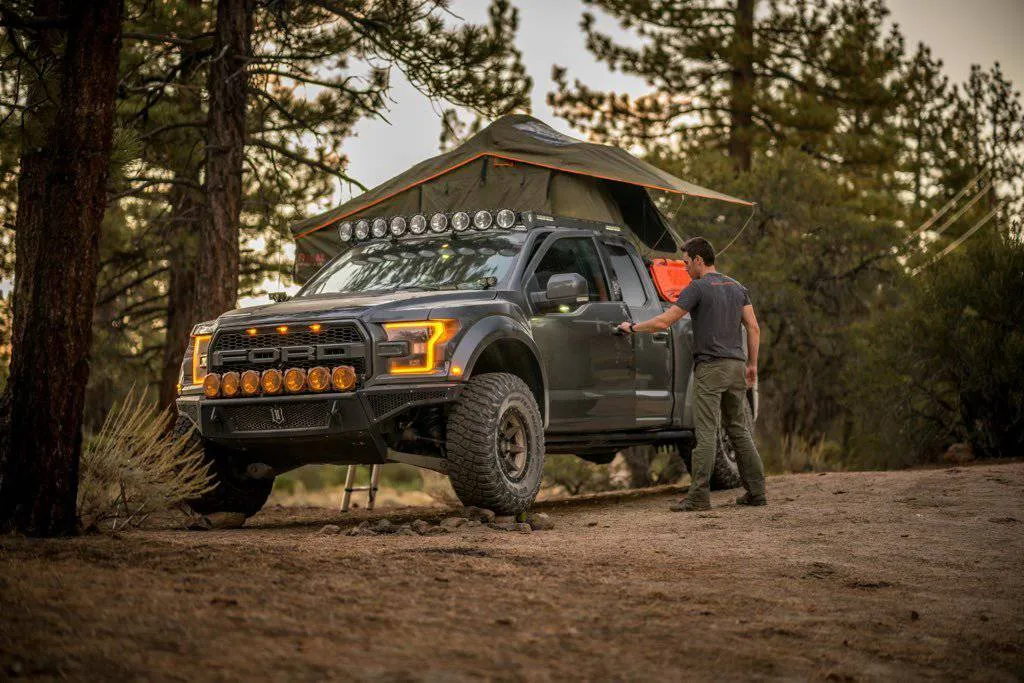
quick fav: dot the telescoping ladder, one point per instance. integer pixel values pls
(350, 480)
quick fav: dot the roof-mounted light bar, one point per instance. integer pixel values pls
(419, 224)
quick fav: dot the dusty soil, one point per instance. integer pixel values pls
(845, 576)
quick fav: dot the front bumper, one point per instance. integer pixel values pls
(307, 428)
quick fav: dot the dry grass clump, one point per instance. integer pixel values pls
(136, 466)
(797, 454)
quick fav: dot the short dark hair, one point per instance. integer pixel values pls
(698, 246)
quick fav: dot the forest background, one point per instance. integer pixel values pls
(887, 337)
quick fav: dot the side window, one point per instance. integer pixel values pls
(572, 255)
(630, 281)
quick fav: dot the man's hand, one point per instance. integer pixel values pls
(626, 327)
(751, 375)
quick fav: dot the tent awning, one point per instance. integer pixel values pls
(524, 140)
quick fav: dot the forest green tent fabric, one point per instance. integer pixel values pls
(520, 163)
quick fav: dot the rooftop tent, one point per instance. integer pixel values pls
(520, 163)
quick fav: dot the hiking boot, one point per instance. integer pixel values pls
(748, 499)
(687, 505)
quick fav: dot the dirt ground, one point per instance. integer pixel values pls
(845, 576)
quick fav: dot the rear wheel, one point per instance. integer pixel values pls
(234, 490)
(725, 474)
(496, 444)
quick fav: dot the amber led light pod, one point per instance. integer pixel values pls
(211, 385)
(343, 377)
(229, 384)
(294, 380)
(271, 381)
(250, 382)
(318, 379)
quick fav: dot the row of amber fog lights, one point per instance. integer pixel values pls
(273, 381)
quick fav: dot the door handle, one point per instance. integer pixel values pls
(660, 337)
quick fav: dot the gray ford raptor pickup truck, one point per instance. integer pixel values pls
(469, 343)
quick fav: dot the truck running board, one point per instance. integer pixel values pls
(578, 443)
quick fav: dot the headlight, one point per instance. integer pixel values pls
(380, 227)
(362, 229)
(200, 347)
(345, 231)
(427, 341)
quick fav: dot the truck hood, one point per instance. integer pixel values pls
(392, 305)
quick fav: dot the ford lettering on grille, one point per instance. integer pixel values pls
(289, 354)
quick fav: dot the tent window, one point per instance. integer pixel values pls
(572, 255)
(625, 272)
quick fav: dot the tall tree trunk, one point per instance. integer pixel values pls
(217, 262)
(61, 199)
(188, 209)
(741, 105)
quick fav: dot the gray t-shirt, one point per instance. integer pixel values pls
(715, 303)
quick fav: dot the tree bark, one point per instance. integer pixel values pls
(218, 259)
(187, 212)
(741, 105)
(65, 159)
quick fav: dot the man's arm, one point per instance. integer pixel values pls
(657, 323)
(753, 342)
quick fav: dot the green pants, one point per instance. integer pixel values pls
(719, 397)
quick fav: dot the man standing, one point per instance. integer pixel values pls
(717, 305)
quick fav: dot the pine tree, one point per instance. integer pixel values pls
(68, 63)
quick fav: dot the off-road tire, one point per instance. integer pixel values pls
(234, 492)
(725, 474)
(474, 465)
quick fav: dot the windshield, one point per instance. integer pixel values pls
(474, 261)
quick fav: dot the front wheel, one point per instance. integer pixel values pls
(496, 444)
(234, 491)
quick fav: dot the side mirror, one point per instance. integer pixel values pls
(564, 288)
(279, 296)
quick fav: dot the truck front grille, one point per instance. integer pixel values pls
(330, 333)
(264, 417)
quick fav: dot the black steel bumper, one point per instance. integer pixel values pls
(308, 428)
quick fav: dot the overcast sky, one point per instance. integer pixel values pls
(960, 33)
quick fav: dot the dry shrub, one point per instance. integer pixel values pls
(797, 454)
(136, 466)
(575, 475)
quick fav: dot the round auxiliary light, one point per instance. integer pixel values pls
(294, 380)
(418, 224)
(343, 377)
(380, 227)
(506, 218)
(398, 226)
(345, 231)
(318, 379)
(362, 229)
(271, 381)
(229, 384)
(482, 220)
(460, 221)
(439, 222)
(250, 382)
(211, 385)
